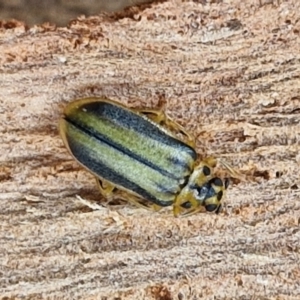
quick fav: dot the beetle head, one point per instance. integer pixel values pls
(209, 194)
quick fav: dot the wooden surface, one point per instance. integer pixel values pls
(60, 12)
(230, 73)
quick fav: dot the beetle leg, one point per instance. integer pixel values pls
(162, 119)
(180, 199)
(209, 161)
(137, 201)
(193, 211)
(233, 172)
(109, 190)
(106, 188)
(212, 162)
(179, 129)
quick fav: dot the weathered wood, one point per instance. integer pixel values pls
(229, 72)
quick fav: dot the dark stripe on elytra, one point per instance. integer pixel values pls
(127, 119)
(110, 175)
(107, 141)
(176, 161)
(170, 190)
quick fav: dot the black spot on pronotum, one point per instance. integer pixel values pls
(217, 181)
(220, 195)
(211, 207)
(206, 171)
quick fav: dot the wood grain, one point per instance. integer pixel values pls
(229, 71)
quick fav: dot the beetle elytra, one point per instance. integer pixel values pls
(137, 154)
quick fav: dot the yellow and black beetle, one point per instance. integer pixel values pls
(136, 153)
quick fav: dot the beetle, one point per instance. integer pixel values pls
(137, 155)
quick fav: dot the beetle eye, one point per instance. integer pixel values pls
(211, 207)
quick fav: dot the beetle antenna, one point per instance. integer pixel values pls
(234, 173)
